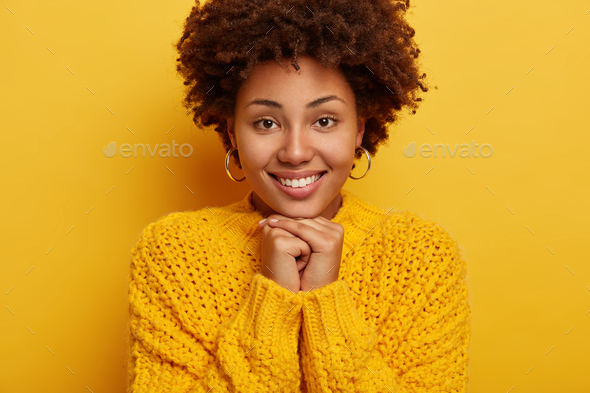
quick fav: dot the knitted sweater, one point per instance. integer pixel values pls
(204, 319)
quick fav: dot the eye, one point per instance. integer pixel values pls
(326, 118)
(265, 120)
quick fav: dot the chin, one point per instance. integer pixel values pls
(300, 209)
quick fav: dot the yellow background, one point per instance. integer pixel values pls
(70, 215)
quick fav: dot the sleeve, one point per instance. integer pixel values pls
(424, 342)
(256, 350)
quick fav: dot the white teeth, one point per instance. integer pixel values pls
(298, 183)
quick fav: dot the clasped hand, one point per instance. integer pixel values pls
(301, 254)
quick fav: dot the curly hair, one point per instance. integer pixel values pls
(369, 41)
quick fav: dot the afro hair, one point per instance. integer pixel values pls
(369, 41)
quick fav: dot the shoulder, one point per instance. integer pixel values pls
(179, 227)
(413, 226)
(420, 240)
(405, 228)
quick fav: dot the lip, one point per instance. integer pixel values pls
(300, 192)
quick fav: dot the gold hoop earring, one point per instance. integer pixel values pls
(369, 167)
(227, 165)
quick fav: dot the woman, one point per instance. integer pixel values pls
(301, 286)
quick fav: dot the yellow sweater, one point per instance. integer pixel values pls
(204, 319)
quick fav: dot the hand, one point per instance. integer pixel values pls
(283, 256)
(325, 239)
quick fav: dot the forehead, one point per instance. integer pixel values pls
(269, 80)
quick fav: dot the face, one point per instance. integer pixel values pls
(291, 125)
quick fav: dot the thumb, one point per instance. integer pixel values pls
(305, 254)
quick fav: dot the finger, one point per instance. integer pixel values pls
(319, 222)
(298, 249)
(277, 232)
(281, 217)
(262, 223)
(305, 254)
(332, 228)
(314, 222)
(315, 237)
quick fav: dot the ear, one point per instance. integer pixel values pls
(231, 130)
(360, 131)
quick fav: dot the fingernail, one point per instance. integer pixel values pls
(261, 221)
(273, 220)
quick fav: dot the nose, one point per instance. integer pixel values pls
(297, 146)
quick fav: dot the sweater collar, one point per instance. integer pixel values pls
(355, 215)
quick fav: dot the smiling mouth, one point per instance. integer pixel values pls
(277, 179)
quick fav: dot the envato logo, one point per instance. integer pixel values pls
(163, 150)
(465, 150)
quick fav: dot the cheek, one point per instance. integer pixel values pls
(256, 156)
(339, 155)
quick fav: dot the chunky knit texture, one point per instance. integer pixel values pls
(204, 319)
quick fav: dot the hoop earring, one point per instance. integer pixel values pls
(369, 167)
(227, 165)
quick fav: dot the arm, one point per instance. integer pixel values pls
(254, 350)
(425, 336)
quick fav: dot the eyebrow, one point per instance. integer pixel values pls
(311, 105)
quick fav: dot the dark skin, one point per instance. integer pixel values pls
(293, 122)
(319, 263)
